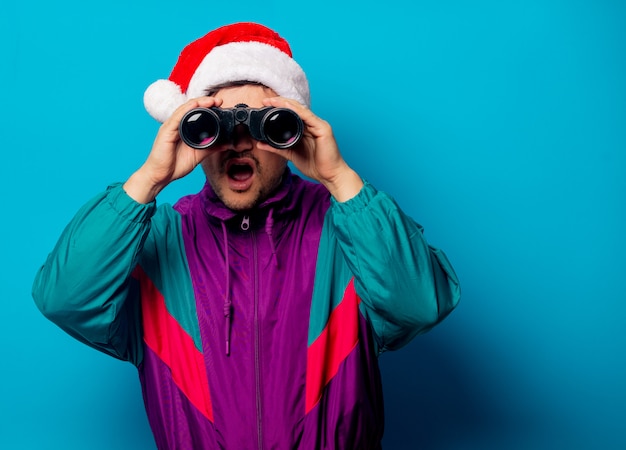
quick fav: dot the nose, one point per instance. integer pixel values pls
(241, 140)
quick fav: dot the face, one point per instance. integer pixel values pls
(240, 174)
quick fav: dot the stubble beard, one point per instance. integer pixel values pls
(237, 202)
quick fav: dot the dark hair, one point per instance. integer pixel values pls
(214, 89)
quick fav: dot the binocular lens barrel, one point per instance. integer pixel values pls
(282, 128)
(201, 128)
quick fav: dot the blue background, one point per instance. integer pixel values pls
(500, 126)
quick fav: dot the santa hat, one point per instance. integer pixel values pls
(237, 52)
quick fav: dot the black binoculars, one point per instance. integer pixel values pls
(203, 127)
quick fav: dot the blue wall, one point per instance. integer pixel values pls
(502, 130)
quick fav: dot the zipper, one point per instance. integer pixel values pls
(245, 223)
(245, 226)
(257, 344)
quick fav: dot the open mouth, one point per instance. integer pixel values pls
(239, 171)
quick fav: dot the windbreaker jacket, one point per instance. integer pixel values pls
(256, 330)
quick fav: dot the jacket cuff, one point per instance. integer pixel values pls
(356, 203)
(126, 207)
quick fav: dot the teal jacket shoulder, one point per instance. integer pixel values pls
(406, 286)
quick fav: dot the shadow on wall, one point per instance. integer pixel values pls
(433, 400)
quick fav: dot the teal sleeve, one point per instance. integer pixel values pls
(85, 285)
(405, 285)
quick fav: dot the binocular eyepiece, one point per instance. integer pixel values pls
(202, 128)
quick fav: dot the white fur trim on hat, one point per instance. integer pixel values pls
(232, 62)
(251, 61)
(162, 98)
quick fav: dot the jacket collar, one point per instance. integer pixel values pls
(281, 202)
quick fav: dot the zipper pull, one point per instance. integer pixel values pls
(245, 223)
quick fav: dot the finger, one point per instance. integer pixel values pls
(200, 102)
(169, 128)
(314, 124)
(283, 102)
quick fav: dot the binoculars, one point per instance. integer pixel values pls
(201, 128)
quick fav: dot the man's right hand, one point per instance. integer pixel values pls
(170, 158)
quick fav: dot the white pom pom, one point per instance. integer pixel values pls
(162, 98)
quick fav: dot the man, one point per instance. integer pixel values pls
(256, 309)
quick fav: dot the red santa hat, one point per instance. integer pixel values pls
(237, 52)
